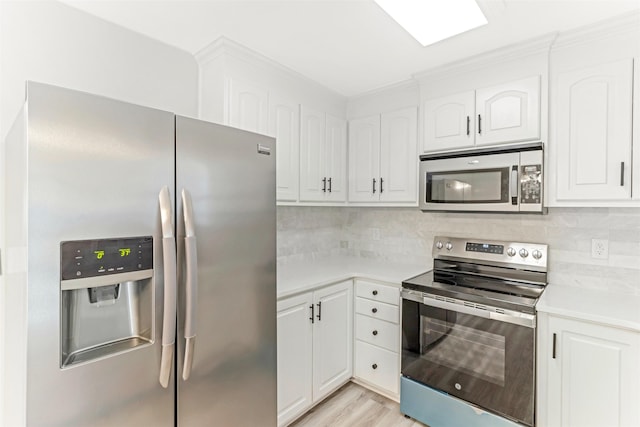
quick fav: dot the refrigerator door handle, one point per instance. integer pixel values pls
(170, 279)
(191, 285)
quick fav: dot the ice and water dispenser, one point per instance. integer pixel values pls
(106, 297)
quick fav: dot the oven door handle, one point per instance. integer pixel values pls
(522, 319)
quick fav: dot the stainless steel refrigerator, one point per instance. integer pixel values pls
(140, 267)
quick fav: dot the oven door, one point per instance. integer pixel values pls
(487, 362)
(475, 183)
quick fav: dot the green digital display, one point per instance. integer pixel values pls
(123, 252)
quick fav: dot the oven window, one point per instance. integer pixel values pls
(487, 362)
(465, 349)
(478, 186)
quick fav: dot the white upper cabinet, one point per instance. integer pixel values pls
(242, 89)
(247, 106)
(449, 122)
(594, 132)
(323, 153)
(364, 159)
(383, 157)
(398, 156)
(313, 183)
(336, 158)
(284, 124)
(509, 112)
(504, 113)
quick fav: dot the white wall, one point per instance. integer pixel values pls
(53, 43)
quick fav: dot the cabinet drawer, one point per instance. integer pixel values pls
(377, 310)
(377, 366)
(377, 292)
(378, 332)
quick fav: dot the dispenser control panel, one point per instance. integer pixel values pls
(91, 258)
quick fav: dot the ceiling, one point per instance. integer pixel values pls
(349, 46)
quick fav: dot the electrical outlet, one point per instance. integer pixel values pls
(375, 233)
(599, 248)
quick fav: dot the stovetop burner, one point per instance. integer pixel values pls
(498, 274)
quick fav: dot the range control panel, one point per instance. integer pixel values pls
(91, 258)
(526, 254)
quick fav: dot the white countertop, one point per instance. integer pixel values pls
(297, 277)
(619, 310)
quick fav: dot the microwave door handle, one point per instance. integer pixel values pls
(170, 280)
(513, 187)
(191, 284)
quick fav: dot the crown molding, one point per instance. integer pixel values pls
(622, 25)
(223, 46)
(538, 45)
(404, 84)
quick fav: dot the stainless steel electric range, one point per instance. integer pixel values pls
(468, 334)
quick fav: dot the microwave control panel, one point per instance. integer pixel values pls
(90, 258)
(531, 184)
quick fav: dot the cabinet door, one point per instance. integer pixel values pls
(294, 357)
(635, 185)
(336, 159)
(312, 155)
(593, 134)
(332, 338)
(509, 112)
(284, 125)
(449, 122)
(247, 106)
(364, 159)
(398, 156)
(594, 379)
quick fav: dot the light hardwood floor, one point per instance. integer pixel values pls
(355, 406)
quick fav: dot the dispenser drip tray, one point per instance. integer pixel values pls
(103, 350)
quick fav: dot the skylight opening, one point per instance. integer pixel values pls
(430, 21)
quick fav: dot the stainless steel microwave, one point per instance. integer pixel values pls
(507, 179)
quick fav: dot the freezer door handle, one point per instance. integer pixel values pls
(191, 285)
(170, 280)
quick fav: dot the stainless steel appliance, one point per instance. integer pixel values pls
(118, 316)
(468, 331)
(484, 180)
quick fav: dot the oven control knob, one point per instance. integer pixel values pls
(524, 253)
(511, 252)
(537, 254)
(449, 246)
(439, 244)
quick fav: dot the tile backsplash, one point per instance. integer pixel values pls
(405, 235)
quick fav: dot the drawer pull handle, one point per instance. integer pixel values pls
(374, 366)
(374, 310)
(375, 332)
(375, 292)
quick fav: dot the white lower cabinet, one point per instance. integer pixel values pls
(377, 366)
(295, 338)
(588, 374)
(315, 338)
(377, 337)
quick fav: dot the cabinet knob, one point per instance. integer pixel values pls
(374, 310)
(375, 332)
(375, 292)
(374, 366)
